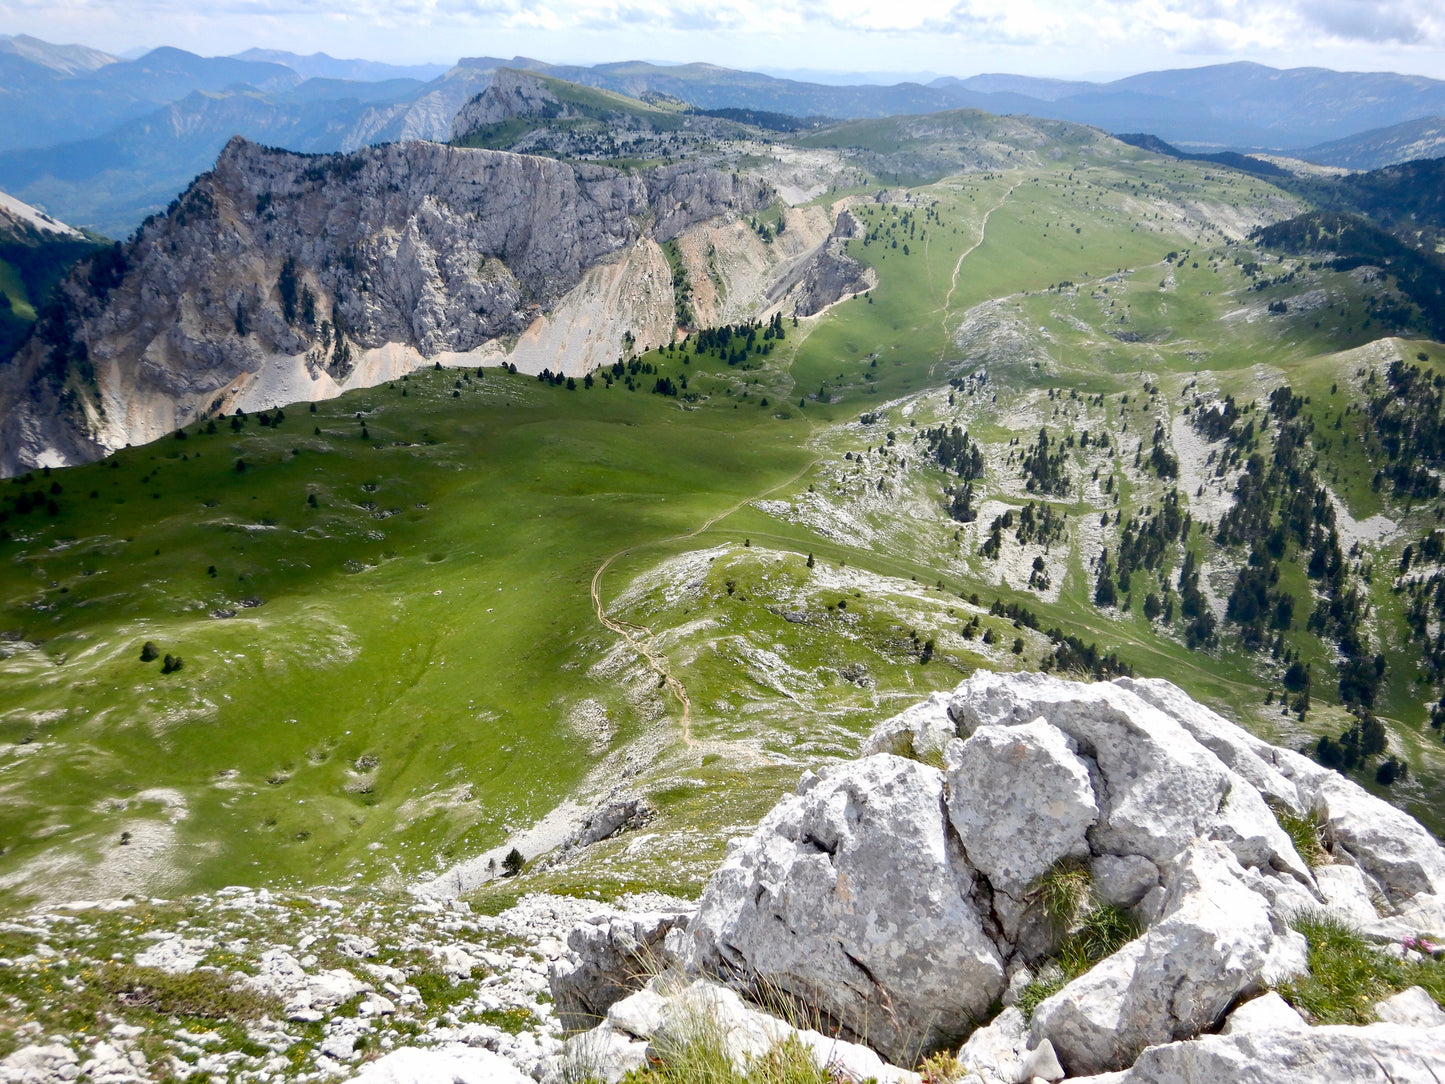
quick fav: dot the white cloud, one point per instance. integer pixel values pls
(1065, 35)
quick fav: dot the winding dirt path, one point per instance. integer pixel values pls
(958, 266)
(640, 637)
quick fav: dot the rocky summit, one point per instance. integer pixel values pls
(1029, 878)
(1109, 863)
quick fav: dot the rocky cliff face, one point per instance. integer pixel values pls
(830, 274)
(511, 94)
(278, 277)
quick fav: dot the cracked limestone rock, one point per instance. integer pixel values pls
(608, 957)
(854, 896)
(1216, 940)
(1339, 1054)
(895, 898)
(1165, 788)
(1013, 835)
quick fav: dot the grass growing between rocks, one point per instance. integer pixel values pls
(703, 1059)
(1091, 930)
(1304, 833)
(210, 995)
(1348, 976)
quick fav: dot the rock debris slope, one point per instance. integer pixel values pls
(279, 277)
(899, 899)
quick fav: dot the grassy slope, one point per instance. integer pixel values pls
(447, 640)
(450, 640)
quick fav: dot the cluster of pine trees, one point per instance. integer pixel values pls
(734, 342)
(1408, 416)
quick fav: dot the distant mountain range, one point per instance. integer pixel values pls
(103, 141)
(321, 66)
(1423, 138)
(66, 59)
(109, 176)
(1239, 106)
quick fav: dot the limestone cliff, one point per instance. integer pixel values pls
(511, 94)
(279, 277)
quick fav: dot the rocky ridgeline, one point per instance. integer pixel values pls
(419, 248)
(898, 900)
(1039, 878)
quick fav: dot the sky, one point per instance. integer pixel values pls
(1062, 38)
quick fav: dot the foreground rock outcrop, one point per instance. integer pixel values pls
(896, 903)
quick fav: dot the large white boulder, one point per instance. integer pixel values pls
(1258, 762)
(896, 900)
(1020, 799)
(454, 1063)
(1162, 787)
(852, 896)
(1389, 844)
(1215, 941)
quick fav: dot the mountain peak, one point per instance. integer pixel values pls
(66, 59)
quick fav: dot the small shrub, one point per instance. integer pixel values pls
(941, 1068)
(513, 863)
(149, 652)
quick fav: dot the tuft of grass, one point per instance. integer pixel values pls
(1042, 987)
(903, 746)
(1064, 891)
(512, 1021)
(1347, 975)
(1305, 833)
(439, 992)
(1091, 930)
(702, 1058)
(1102, 931)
